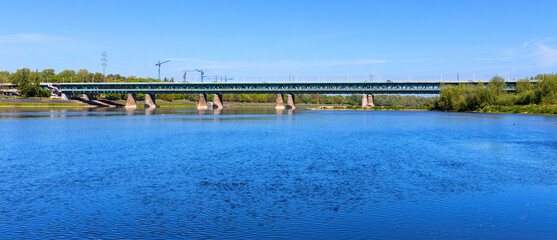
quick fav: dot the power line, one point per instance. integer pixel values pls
(103, 63)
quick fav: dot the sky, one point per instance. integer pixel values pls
(272, 40)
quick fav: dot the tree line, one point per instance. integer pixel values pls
(83, 75)
(28, 81)
(475, 97)
(464, 97)
(354, 99)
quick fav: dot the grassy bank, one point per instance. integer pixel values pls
(376, 108)
(523, 109)
(520, 109)
(175, 105)
(271, 105)
(252, 105)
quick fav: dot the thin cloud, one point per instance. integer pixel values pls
(539, 52)
(546, 55)
(535, 41)
(19, 38)
(525, 44)
(534, 53)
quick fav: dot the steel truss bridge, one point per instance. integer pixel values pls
(390, 87)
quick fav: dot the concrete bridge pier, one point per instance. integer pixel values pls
(364, 100)
(202, 103)
(290, 101)
(66, 96)
(217, 101)
(88, 97)
(280, 102)
(368, 100)
(371, 100)
(150, 101)
(131, 101)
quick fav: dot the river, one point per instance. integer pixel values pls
(257, 173)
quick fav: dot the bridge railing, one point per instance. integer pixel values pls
(289, 87)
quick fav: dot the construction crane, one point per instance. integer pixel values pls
(159, 65)
(202, 73)
(186, 73)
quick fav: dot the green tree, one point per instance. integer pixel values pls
(168, 97)
(469, 97)
(496, 86)
(548, 89)
(67, 74)
(90, 77)
(4, 76)
(98, 77)
(524, 85)
(28, 83)
(55, 78)
(46, 75)
(82, 75)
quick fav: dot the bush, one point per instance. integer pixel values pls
(528, 97)
(470, 97)
(115, 96)
(505, 100)
(28, 83)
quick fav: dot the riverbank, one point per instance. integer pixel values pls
(516, 109)
(40, 102)
(376, 108)
(7, 102)
(521, 109)
(14, 101)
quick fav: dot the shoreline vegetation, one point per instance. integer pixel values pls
(376, 108)
(515, 109)
(528, 97)
(522, 109)
(55, 103)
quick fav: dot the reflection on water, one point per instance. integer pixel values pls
(130, 108)
(130, 111)
(150, 111)
(261, 172)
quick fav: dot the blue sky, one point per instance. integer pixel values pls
(312, 40)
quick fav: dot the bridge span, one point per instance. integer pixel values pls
(367, 89)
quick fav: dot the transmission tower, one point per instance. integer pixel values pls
(103, 63)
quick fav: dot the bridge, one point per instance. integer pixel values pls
(367, 89)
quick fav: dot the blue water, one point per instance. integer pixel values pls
(254, 173)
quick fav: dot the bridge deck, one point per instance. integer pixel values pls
(417, 87)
